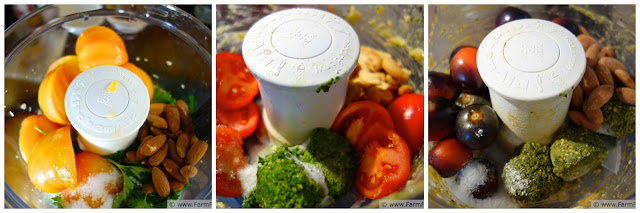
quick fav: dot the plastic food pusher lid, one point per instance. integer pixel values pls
(99, 108)
(300, 48)
(531, 59)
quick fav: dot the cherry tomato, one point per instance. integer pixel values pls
(449, 156)
(384, 163)
(235, 85)
(52, 164)
(100, 45)
(244, 120)
(142, 75)
(464, 70)
(88, 165)
(441, 85)
(353, 121)
(407, 112)
(32, 130)
(229, 158)
(52, 91)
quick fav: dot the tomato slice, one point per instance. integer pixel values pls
(32, 131)
(52, 164)
(51, 93)
(235, 85)
(384, 163)
(229, 158)
(100, 45)
(148, 83)
(357, 117)
(244, 120)
(407, 112)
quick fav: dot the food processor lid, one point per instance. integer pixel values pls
(531, 59)
(107, 103)
(301, 48)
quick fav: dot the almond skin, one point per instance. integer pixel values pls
(155, 131)
(182, 145)
(592, 54)
(604, 75)
(160, 182)
(624, 77)
(183, 109)
(173, 154)
(196, 152)
(175, 185)
(188, 171)
(159, 156)
(594, 116)
(586, 40)
(581, 120)
(577, 96)
(599, 97)
(157, 108)
(173, 169)
(589, 81)
(143, 131)
(172, 117)
(612, 63)
(147, 188)
(131, 156)
(157, 121)
(626, 95)
(607, 51)
(151, 146)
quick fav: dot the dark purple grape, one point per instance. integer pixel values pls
(480, 176)
(464, 70)
(568, 24)
(441, 118)
(467, 99)
(458, 49)
(510, 14)
(441, 85)
(477, 126)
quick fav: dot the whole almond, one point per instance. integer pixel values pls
(131, 155)
(155, 131)
(604, 75)
(143, 131)
(172, 135)
(626, 95)
(157, 108)
(147, 188)
(188, 171)
(577, 96)
(594, 116)
(607, 51)
(183, 109)
(175, 185)
(157, 121)
(173, 154)
(196, 152)
(151, 146)
(182, 145)
(586, 41)
(159, 156)
(592, 54)
(589, 81)
(194, 139)
(172, 117)
(624, 77)
(160, 182)
(174, 169)
(580, 119)
(582, 30)
(612, 63)
(599, 97)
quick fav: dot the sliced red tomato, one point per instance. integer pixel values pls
(357, 117)
(407, 112)
(235, 85)
(229, 158)
(244, 120)
(384, 163)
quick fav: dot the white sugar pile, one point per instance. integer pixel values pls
(473, 175)
(94, 188)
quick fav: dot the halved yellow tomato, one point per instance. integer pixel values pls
(32, 130)
(142, 75)
(52, 164)
(67, 63)
(99, 172)
(52, 92)
(100, 45)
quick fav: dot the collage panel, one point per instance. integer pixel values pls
(532, 106)
(320, 106)
(108, 106)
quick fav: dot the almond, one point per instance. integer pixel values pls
(160, 182)
(598, 97)
(577, 96)
(586, 41)
(604, 75)
(131, 155)
(155, 131)
(172, 135)
(182, 145)
(580, 119)
(188, 171)
(583, 30)
(147, 188)
(594, 116)
(624, 77)
(196, 152)
(194, 139)
(157, 121)
(612, 63)
(175, 185)
(156, 108)
(592, 54)
(183, 109)
(173, 169)
(172, 117)
(143, 131)
(173, 154)
(607, 51)
(159, 156)
(589, 81)
(151, 146)
(626, 95)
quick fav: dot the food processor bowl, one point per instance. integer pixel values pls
(173, 47)
(451, 26)
(395, 29)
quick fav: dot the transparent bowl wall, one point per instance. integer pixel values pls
(373, 29)
(174, 48)
(454, 25)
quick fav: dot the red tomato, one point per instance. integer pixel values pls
(235, 85)
(407, 112)
(353, 120)
(384, 165)
(229, 158)
(244, 120)
(449, 156)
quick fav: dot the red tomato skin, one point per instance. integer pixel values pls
(354, 120)
(229, 158)
(407, 112)
(235, 85)
(464, 70)
(244, 120)
(449, 156)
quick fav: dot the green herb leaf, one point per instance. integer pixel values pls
(162, 96)
(57, 201)
(191, 104)
(40, 130)
(139, 173)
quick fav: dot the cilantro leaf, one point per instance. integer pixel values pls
(129, 173)
(191, 104)
(57, 201)
(162, 96)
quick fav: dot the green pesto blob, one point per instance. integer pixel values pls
(529, 176)
(620, 117)
(325, 86)
(575, 152)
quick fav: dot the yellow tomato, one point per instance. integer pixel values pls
(142, 75)
(32, 130)
(100, 45)
(52, 164)
(69, 65)
(51, 95)
(89, 165)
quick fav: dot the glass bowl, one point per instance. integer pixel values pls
(173, 47)
(398, 30)
(451, 26)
